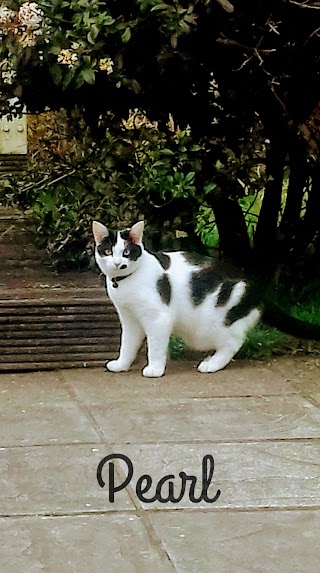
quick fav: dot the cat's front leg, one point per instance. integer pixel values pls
(158, 336)
(132, 337)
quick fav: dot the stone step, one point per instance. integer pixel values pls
(13, 164)
(39, 333)
(49, 320)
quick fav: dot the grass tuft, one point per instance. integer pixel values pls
(177, 349)
(264, 342)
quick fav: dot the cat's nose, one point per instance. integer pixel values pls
(122, 267)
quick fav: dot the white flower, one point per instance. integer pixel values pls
(30, 15)
(25, 24)
(6, 15)
(7, 74)
(170, 123)
(106, 65)
(5, 64)
(27, 39)
(67, 57)
(137, 120)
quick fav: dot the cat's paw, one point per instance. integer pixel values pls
(153, 371)
(116, 366)
(214, 364)
(204, 366)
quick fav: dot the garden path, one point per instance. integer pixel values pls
(260, 422)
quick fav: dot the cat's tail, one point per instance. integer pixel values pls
(275, 316)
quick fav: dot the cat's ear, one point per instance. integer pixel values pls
(136, 232)
(100, 232)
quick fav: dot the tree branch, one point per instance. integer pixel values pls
(314, 33)
(256, 52)
(226, 5)
(252, 49)
(315, 6)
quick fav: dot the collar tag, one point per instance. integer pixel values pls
(116, 280)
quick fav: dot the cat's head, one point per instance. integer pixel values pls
(118, 252)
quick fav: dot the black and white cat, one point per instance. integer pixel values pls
(157, 295)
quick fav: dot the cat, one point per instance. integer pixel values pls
(157, 295)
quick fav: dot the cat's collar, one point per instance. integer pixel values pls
(116, 280)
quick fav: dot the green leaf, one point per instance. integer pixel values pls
(79, 81)
(107, 20)
(219, 165)
(88, 75)
(209, 187)
(161, 6)
(56, 73)
(68, 78)
(144, 4)
(126, 35)
(92, 35)
(86, 18)
(55, 50)
(190, 176)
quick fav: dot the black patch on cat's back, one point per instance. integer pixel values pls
(163, 259)
(195, 258)
(225, 291)
(204, 282)
(249, 300)
(164, 289)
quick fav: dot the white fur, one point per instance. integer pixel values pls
(144, 315)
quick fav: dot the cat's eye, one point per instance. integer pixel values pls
(108, 252)
(126, 252)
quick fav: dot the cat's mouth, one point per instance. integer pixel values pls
(116, 269)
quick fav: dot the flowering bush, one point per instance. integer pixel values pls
(223, 67)
(24, 24)
(62, 47)
(135, 171)
(72, 41)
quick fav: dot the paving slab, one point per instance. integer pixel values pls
(206, 420)
(303, 375)
(55, 480)
(118, 543)
(38, 409)
(241, 542)
(259, 422)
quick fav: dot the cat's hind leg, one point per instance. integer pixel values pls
(219, 360)
(231, 341)
(131, 340)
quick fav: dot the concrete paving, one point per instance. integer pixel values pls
(258, 421)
